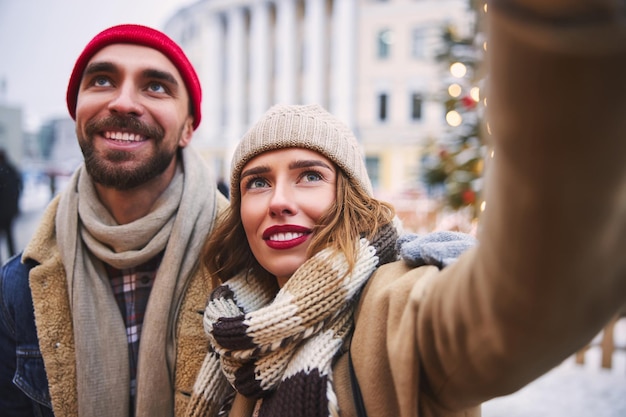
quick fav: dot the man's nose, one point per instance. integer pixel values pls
(126, 100)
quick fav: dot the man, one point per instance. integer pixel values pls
(115, 260)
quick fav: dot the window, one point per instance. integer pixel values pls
(416, 106)
(384, 41)
(372, 165)
(418, 43)
(382, 107)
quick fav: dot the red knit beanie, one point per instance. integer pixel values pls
(137, 35)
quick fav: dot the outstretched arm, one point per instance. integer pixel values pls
(550, 268)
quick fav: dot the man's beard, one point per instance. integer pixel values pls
(107, 170)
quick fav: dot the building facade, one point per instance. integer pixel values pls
(60, 151)
(11, 133)
(369, 62)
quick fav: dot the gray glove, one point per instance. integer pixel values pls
(437, 248)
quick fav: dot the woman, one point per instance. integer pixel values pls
(303, 202)
(315, 317)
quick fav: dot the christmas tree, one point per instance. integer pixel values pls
(452, 166)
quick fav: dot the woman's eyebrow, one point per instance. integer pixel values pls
(307, 163)
(302, 163)
(262, 169)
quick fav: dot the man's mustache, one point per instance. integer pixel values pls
(124, 122)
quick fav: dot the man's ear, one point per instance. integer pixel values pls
(187, 132)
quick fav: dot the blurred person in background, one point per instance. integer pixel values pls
(10, 191)
(223, 187)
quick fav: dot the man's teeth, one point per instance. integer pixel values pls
(281, 237)
(130, 137)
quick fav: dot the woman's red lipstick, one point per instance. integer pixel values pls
(285, 236)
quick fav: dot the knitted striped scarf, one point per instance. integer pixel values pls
(280, 347)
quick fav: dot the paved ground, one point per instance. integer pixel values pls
(569, 390)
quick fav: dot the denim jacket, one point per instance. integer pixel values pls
(23, 380)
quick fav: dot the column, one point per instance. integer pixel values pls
(285, 43)
(343, 67)
(260, 60)
(212, 76)
(315, 58)
(235, 74)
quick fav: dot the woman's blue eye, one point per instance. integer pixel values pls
(312, 176)
(256, 183)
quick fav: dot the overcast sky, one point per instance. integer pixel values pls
(41, 39)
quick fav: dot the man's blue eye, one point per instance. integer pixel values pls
(156, 88)
(101, 81)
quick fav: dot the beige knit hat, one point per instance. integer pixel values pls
(301, 126)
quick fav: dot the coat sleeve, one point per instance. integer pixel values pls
(549, 270)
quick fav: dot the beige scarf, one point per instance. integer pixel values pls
(87, 233)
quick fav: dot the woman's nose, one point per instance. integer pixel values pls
(282, 202)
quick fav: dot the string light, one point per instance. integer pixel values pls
(475, 94)
(453, 118)
(458, 69)
(455, 90)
